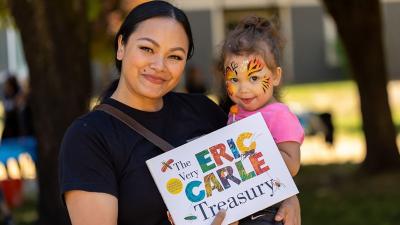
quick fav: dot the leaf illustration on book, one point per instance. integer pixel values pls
(191, 217)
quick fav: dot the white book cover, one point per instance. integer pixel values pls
(238, 168)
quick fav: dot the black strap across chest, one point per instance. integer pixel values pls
(135, 125)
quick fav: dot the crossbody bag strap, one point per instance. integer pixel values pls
(135, 125)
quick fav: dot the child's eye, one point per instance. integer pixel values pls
(176, 57)
(253, 78)
(234, 80)
(146, 49)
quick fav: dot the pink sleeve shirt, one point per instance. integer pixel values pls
(282, 123)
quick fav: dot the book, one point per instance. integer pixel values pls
(238, 168)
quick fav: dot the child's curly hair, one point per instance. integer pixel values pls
(254, 35)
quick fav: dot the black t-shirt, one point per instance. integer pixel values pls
(101, 154)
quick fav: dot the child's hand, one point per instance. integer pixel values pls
(289, 212)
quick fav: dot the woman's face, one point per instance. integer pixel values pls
(153, 59)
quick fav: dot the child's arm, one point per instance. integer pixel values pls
(290, 151)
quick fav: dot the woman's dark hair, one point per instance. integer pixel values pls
(139, 14)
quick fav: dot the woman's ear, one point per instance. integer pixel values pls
(121, 49)
(276, 76)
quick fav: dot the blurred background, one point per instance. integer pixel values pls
(341, 78)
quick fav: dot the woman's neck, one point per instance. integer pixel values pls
(129, 97)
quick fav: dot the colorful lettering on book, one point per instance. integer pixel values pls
(222, 166)
(216, 156)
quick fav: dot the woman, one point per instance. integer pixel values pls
(103, 176)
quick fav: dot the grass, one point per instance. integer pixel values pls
(336, 195)
(26, 214)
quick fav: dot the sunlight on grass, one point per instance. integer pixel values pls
(342, 101)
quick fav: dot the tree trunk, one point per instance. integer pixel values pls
(56, 44)
(359, 25)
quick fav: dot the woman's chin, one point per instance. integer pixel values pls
(153, 93)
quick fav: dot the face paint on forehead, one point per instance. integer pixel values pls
(249, 66)
(230, 71)
(243, 66)
(231, 67)
(254, 65)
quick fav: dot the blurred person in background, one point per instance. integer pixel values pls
(195, 81)
(11, 92)
(25, 119)
(17, 110)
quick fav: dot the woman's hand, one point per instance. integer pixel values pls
(289, 212)
(219, 218)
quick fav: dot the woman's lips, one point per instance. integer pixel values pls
(153, 79)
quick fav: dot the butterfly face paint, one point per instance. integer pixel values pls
(231, 73)
(249, 81)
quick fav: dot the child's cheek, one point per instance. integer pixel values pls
(266, 83)
(256, 87)
(231, 89)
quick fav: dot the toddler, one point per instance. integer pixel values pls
(252, 70)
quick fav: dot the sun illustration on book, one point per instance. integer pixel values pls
(174, 186)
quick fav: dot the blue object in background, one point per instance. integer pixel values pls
(13, 147)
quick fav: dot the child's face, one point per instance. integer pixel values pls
(249, 81)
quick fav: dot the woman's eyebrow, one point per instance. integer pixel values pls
(178, 49)
(156, 44)
(149, 40)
